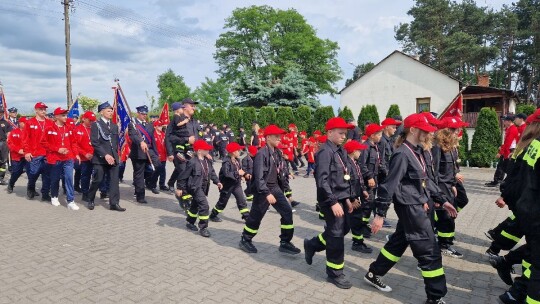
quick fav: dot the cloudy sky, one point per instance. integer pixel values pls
(135, 40)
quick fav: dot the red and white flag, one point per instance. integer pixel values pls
(454, 109)
(164, 116)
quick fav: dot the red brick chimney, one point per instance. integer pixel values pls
(483, 80)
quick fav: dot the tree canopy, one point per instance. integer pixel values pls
(171, 88)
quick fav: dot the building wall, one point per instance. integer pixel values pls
(400, 80)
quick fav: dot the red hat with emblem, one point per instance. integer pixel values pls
(337, 123)
(60, 111)
(390, 122)
(273, 130)
(202, 145)
(40, 105)
(372, 129)
(252, 150)
(89, 115)
(418, 121)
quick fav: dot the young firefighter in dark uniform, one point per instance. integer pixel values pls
(359, 195)
(195, 180)
(5, 128)
(247, 165)
(408, 186)
(446, 167)
(143, 152)
(372, 164)
(333, 180)
(230, 175)
(268, 190)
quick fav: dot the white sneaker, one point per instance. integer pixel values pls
(72, 206)
(55, 202)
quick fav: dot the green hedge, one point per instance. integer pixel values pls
(249, 115)
(235, 119)
(463, 149)
(267, 116)
(219, 117)
(304, 119)
(527, 108)
(368, 113)
(393, 111)
(321, 115)
(284, 117)
(346, 113)
(486, 139)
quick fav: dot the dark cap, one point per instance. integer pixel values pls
(142, 109)
(522, 116)
(508, 117)
(177, 105)
(12, 110)
(190, 101)
(103, 106)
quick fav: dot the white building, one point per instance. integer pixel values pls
(401, 79)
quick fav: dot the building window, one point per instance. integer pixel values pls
(423, 104)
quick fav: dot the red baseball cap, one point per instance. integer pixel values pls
(337, 123)
(234, 146)
(60, 111)
(431, 119)
(292, 126)
(534, 117)
(273, 130)
(89, 115)
(372, 129)
(418, 121)
(23, 119)
(159, 123)
(317, 132)
(353, 145)
(252, 150)
(322, 138)
(303, 133)
(40, 105)
(390, 122)
(202, 145)
(452, 123)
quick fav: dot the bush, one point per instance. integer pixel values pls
(321, 116)
(346, 113)
(204, 115)
(393, 111)
(486, 139)
(219, 117)
(527, 108)
(463, 150)
(368, 113)
(267, 116)
(249, 115)
(235, 119)
(303, 118)
(284, 117)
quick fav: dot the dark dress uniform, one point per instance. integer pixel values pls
(409, 187)
(358, 226)
(195, 180)
(232, 185)
(386, 148)
(104, 138)
(267, 166)
(5, 128)
(332, 188)
(223, 141)
(141, 131)
(247, 165)
(371, 164)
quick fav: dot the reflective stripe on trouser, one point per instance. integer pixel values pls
(446, 227)
(258, 210)
(332, 239)
(357, 225)
(225, 195)
(507, 234)
(416, 232)
(199, 208)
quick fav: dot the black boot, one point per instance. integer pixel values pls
(10, 188)
(30, 193)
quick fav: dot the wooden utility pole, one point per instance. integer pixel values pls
(66, 4)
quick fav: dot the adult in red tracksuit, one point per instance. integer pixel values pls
(511, 137)
(81, 134)
(15, 146)
(59, 143)
(33, 134)
(520, 122)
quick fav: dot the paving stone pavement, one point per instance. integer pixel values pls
(145, 255)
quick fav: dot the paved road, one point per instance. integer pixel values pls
(145, 255)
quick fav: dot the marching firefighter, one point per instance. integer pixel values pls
(247, 165)
(408, 186)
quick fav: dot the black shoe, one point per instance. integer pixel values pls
(85, 197)
(491, 253)
(117, 208)
(121, 181)
(103, 195)
(247, 246)
(9, 189)
(288, 247)
(317, 207)
(172, 189)
(216, 219)
(490, 234)
(308, 252)
(340, 281)
(30, 194)
(386, 224)
(376, 282)
(164, 188)
(142, 201)
(295, 203)
(361, 247)
(155, 190)
(306, 176)
(192, 227)
(503, 269)
(204, 232)
(506, 298)
(245, 216)
(491, 184)
(3, 183)
(450, 251)
(438, 301)
(91, 205)
(46, 198)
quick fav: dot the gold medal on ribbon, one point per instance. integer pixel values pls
(346, 177)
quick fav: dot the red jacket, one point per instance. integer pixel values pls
(14, 142)
(59, 137)
(293, 136)
(33, 136)
(160, 143)
(81, 136)
(511, 137)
